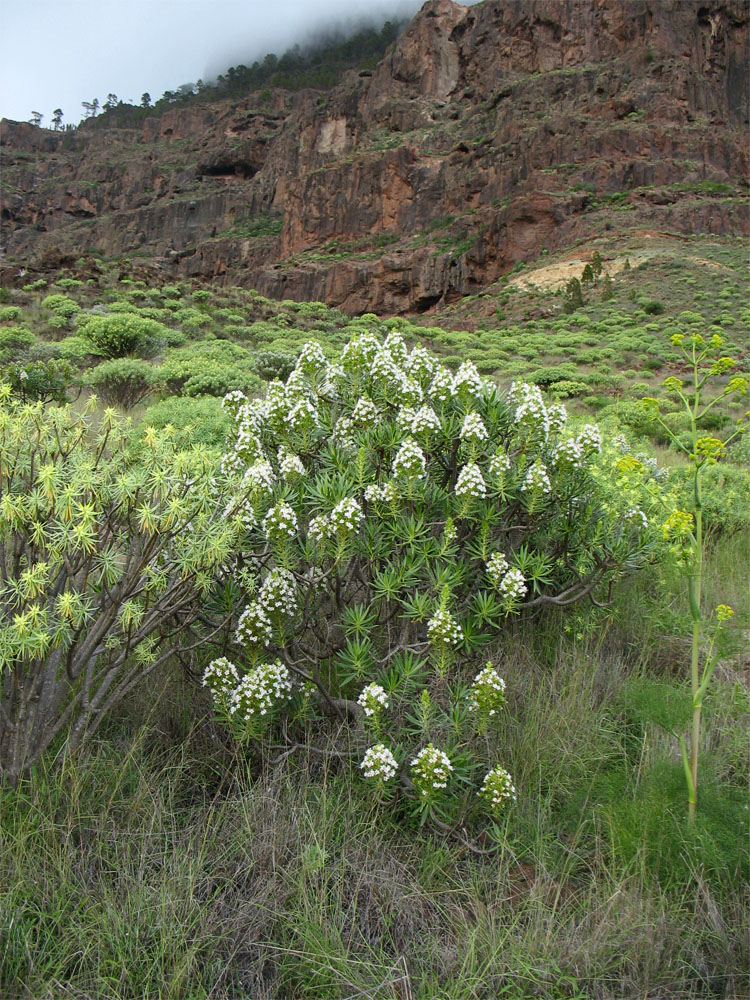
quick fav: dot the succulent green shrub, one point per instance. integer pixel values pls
(76, 349)
(14, 342)
(399, 514)
(38, 381)
(122, 381)
(62, 307)
(209, 368)
(11, 314)
(194, 421)
(122, 546)
(118, 334)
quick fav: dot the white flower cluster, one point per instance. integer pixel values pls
(260, 690)
(557, 416)
(467, 382)
(410, 461)
(372, 699)
(331, 384)
(254, 627)
(302, 415)
(441, 387)
(233, 401)
(497, 567)
(259, 479)
(396, 344)
(383, 493)
(425, 421)
(420, 364)
(405, 418)
(531, 413)
(243, 511)
(473, 429)
(290, 464)
(220, 676)
(487, 693)
(311, 358)
(497, 789)
(358, 354)
(342, 432)
(513, 586)
(620, 442)
(379, 763)
(346, 516)
(276, 402)
(430, 770)
(450, 531)
(365, 413)
(407, 391)
(278, 595)
(536, 479)
(280, 522)
(568, 454)
(470, 482)
(443, 629)
(499, 464)
(590, 439)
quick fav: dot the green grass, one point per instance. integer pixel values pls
(160, 862)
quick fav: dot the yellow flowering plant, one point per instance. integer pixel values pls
(684, 529)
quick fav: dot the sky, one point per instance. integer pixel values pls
(58, 53)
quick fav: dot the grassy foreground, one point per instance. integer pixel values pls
(160, 862)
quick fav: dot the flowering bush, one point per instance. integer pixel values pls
(411, 509)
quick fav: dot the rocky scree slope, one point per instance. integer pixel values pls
(485, 135)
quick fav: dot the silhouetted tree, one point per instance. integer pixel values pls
(573, 297)
(110, 102)
(596, 265)
(57, 117)
(146, 100)
(36, 118)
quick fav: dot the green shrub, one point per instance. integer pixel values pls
(118, 563)
(62, 307)
(11, 314)
(38, 381)
(270, 364)
(214, 368)
(119, 334)
(196, 421)
(76, 349)
(14, 342)
(122, 381)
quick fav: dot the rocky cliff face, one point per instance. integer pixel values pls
(486, 134)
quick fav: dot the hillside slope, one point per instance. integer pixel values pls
(486, 135)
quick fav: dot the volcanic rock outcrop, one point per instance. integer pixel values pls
(485, 135)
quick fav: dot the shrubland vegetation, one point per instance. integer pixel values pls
(440, 618)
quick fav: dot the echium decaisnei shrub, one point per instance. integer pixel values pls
(111, 546)
(396, 514)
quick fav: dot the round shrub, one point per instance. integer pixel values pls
(122, 381)
(399, 514)
(14, 342)
(62, 307)
(116, 335)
